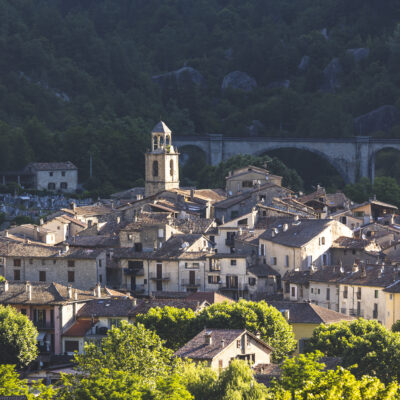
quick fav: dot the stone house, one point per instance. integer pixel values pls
(348, 250)
(263, 281)
(218, 347)
(50, 306)
(373, 208)
(80, 268)
(244, 179)
(61, 176)
(299, 244)
(64, 227)
(243, 203)
(346, 218)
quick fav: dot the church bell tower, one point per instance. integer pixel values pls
(162, 162)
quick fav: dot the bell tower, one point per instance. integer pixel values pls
(162, 162)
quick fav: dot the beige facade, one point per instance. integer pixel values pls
(161, 163)
(80, 273)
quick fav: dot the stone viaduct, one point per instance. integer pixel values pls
(352, 157)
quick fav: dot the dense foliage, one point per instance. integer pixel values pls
(367, 345)
(76, 77)
(257, 317)
(17, 338)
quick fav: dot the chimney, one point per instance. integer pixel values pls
(6, 286)
(285, 227)
(363, 272)
(286, 314)
(134, 302)
(118, 220)
(29, 290)
(98, 290)
(222, 343)
(65, 247)
(208, 338)
(6, 234)
(41, 222)
(76, 295)
(73, 206)
(69, 291)
(355, 268)
(296, 217)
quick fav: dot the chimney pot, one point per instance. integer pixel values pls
(208, 338)
(222, 343)
(69, 290)
(6, 286)
(134, 302)
(98, 290)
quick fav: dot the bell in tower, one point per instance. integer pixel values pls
(162, 162)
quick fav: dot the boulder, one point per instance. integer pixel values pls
(380, 119)
(185, 73)
(256, 128)
(305, 60)
(359, 54)
(239, 80)
(279, 84)
(331, 76)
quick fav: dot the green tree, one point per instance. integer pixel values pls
(131, 348)
(12, 385)
(165, 321)
(367, 345)
(303, 377)
(17, 338)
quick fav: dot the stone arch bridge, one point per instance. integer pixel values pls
(352, 157)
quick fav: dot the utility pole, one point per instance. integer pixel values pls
(90, 165)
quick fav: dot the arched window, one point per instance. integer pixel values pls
(155, 168)
(161, 141)
(155, 143)
(171, 167)
(167, 141)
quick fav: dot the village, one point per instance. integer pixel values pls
(318, 258)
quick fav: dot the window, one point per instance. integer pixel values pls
(375, 312)
(171, 168)
(155, 168)
(312, 290)
(376, 294)
(238, 343)
(138, 247)
(273, 260)
(42, 276)
(17, 275)
(23, 311)
(50, 173)
(161, 233)
(63, 185)
(51, 186)
(309, 261)
(101, 278)
(345, 292)
(353, 252)
(293, 291)
(71, 263)
(286, 261)
(323, 240)
(17, 262)
(62, 173)
(328, 293)
(71, 346)
(262, 249)
(114, 322)
(233, 262)
(213, 279)
(252, 281)
(247, 184)
(100, 263)
(71, 276)
(319, 291)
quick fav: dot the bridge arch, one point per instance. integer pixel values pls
(334, 163)
(374, 153)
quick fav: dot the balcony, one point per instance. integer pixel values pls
(155, 277)
(356, 313)
(43, 325)
(133, 271)
(230, 242)
(191, 282)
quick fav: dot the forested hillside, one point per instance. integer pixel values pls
(89, 77)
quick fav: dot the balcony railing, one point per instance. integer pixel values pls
(134, 271)
(191, 282)
(156, 277)
(43, 325)
(356, 313)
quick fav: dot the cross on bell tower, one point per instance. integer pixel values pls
(162, 162)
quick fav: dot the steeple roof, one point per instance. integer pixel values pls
(161, 128)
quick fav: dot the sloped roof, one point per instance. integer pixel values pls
(262, 270)
(198, 349)
(176, 245)
(112, 307)
(209, 297)
(298, 233)
(52, 166)
(80, 327)
(161, 127)
(308, 313)
(344, 242)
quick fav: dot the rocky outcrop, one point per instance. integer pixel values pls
(380, 119)
(304, 62)
(239, 80)
(187, 74)
(331, 76)
(285, 84)
(359, 54)
(256, 128)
